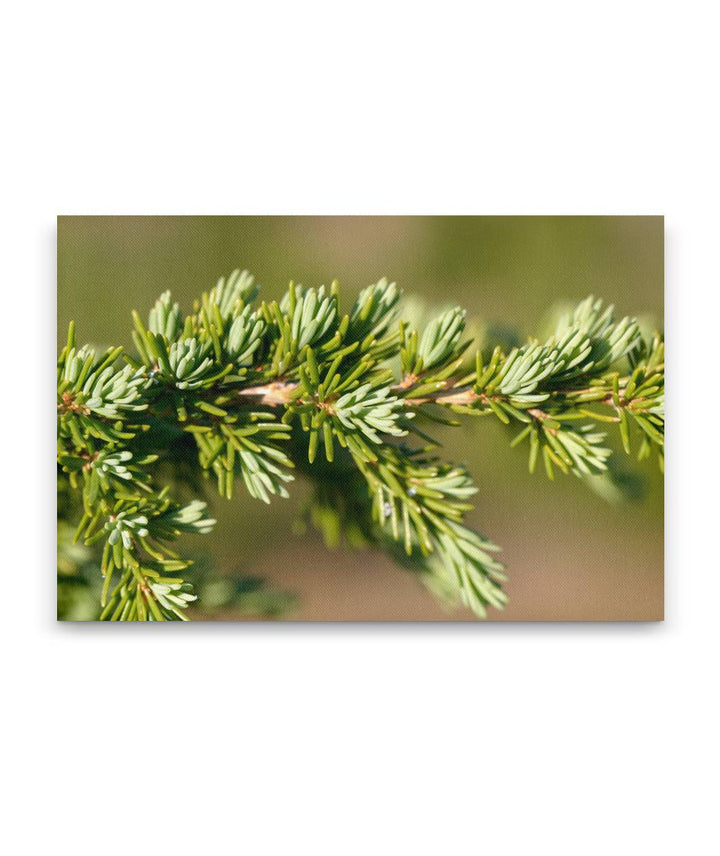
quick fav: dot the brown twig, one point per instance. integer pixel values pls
(272, 394)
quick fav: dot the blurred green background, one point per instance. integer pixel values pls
(570, 554)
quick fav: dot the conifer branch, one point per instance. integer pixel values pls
(263, 389)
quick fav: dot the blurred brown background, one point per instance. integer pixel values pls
(570, 554)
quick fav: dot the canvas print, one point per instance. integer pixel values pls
(360, 418)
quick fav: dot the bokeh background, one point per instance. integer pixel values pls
(570, 553)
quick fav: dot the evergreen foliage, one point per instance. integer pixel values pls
(346, 397)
